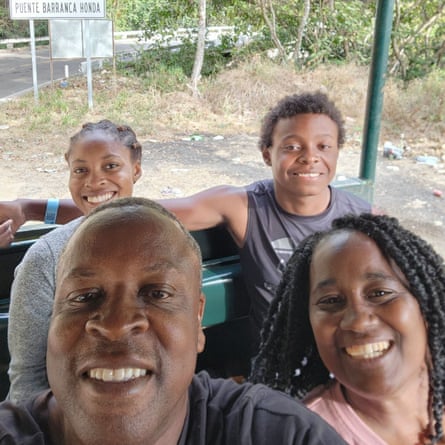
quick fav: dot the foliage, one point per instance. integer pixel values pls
(153, 16)
(335, 31)
(331, 34)
(342, 34)
(168, 69)
(19, 28)
(416, 106)
(418, 38)
(156, 15)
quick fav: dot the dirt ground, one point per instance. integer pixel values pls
(180, 165)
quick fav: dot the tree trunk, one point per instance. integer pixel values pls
(267, 8)
(297, 50)
(200, 48)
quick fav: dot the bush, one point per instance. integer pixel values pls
(167, 68)
(11, 29)
(416, 107)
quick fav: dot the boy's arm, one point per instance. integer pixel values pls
(217, 205)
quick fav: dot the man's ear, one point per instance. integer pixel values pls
(265, 151)
(137, 171)
(201, 335)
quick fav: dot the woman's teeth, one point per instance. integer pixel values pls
(370, 350)
(100, 198)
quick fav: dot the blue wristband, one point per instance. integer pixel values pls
(52, 206)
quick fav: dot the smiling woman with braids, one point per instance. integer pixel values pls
(357, 329)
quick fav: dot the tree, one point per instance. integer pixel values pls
(200, 48)
(301, 28)
(324, 30)
(270, 19)
(417, 38)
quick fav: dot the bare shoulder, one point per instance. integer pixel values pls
(227, 196)
(223, 199)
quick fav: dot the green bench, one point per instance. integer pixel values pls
(227, 305)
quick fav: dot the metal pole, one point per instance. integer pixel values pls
(51, 65)
(33, 61)
(86, 43)
(382, 37)
(114, 55)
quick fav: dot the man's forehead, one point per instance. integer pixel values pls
(84, 267)
(150, 234)
(127, 222)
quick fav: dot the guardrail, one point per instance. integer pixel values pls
(11, 43)
(212, 33)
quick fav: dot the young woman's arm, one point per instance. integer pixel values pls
(20, 211)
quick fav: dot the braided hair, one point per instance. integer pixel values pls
(118, 133)
(288, 359)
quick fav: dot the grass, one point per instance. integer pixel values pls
(233, 101)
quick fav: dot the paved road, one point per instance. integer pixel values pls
(16, 67)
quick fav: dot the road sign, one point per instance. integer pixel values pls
(67, 38)
(56, 9)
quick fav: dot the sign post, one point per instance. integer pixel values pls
(34, 62)
(58, 9)
(86, 24)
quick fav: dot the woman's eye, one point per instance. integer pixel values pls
(325, 147)
(79, 170)
(112, 166)
(293, 147)
(330, 302)
(381, 294)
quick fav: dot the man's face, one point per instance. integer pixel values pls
(125, 332)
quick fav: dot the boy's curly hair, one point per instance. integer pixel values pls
(306, 103)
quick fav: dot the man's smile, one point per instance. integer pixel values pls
(116, 375)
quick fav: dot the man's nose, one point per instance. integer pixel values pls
(117, 320)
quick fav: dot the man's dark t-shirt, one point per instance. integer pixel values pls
(221, 412)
